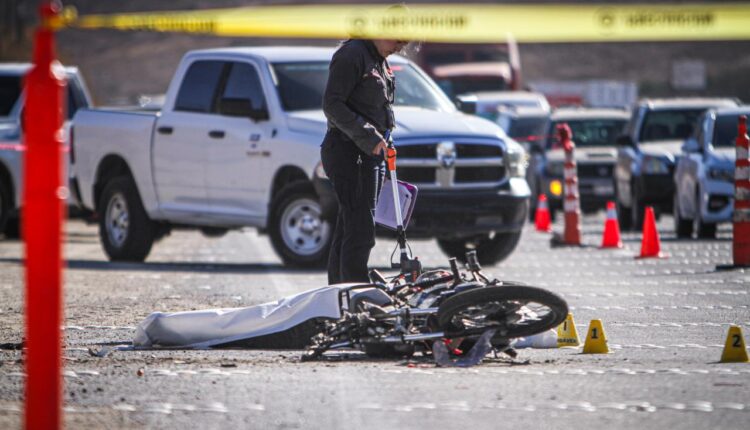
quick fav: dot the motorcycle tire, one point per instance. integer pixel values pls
(474, 311)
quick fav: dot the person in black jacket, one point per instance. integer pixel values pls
(358, 105)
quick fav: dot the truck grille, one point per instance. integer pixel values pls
(595, 170)
(449, 164)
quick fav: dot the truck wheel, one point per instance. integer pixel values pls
(5, 205)
(125, 229)
(682, 227)
(702, 229)
(489, 250)
(298, 233)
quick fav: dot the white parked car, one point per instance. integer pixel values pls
(704, 175)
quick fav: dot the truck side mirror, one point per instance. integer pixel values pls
(624, 140)
(241, 107)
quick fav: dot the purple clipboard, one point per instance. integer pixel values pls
(385, 213)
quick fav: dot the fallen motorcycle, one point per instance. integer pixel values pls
(401, 317)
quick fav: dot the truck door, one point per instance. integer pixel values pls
(237, 176)
(181, 142)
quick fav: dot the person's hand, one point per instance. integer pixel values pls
(379, 148)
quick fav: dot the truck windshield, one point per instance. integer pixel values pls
(725, 130)
(526, 129)
(669, 125)
(10, 90)
(301, 86)
(589, 132)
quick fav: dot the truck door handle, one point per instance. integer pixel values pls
(165, 130)
(216, 134)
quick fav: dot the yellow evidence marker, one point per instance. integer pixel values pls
(596, 340)
(734, 348)
(567, 335)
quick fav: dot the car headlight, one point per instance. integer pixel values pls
(654, 166)
(515, 160)
(725, 175)
(320, 172)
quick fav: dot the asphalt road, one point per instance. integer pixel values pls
(666, 320)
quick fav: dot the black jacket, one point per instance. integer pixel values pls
(359, 94)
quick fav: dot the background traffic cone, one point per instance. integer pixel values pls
(611, 236)
(542, 216)
(596, 340)
(650, 244)
(567, 335)
(734, 348)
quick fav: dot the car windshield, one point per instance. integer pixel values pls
(669, 125)
(725, 130)
(10, 90)
(589, 132)
(301, 86)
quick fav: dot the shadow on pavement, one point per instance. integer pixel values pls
(207, 267)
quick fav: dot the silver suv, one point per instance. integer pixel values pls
(646, 155)
(704, 177)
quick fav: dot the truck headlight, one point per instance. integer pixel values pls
(654, 166)
(725, 175)
(515, 160)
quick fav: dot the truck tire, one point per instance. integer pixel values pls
(126, 231)
(298, 233)
(5, 205)
(489, 250)
(702, 229)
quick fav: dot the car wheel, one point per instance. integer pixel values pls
(298, 233)
(126, 231)
(490, 250)
(683, 227)
(703, 230)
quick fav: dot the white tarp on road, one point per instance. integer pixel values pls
(207, 328)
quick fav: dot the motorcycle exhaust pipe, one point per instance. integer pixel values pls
(414, 337)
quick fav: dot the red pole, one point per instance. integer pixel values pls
(42, 229)
(741, 218)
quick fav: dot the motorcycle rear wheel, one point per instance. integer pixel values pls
(513, 311)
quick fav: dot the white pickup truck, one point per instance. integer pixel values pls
(237, 145)
(11, 146)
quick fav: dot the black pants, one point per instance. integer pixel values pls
(356, 178)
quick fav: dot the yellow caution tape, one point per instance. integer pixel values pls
(448, 22)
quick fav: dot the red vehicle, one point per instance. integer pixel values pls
(468, 68)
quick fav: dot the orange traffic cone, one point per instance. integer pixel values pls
(542, 216)
(650, 245)
(611, 236)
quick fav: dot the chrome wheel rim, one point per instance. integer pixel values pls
(302, 229)
(498, 314)
(117, 220)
